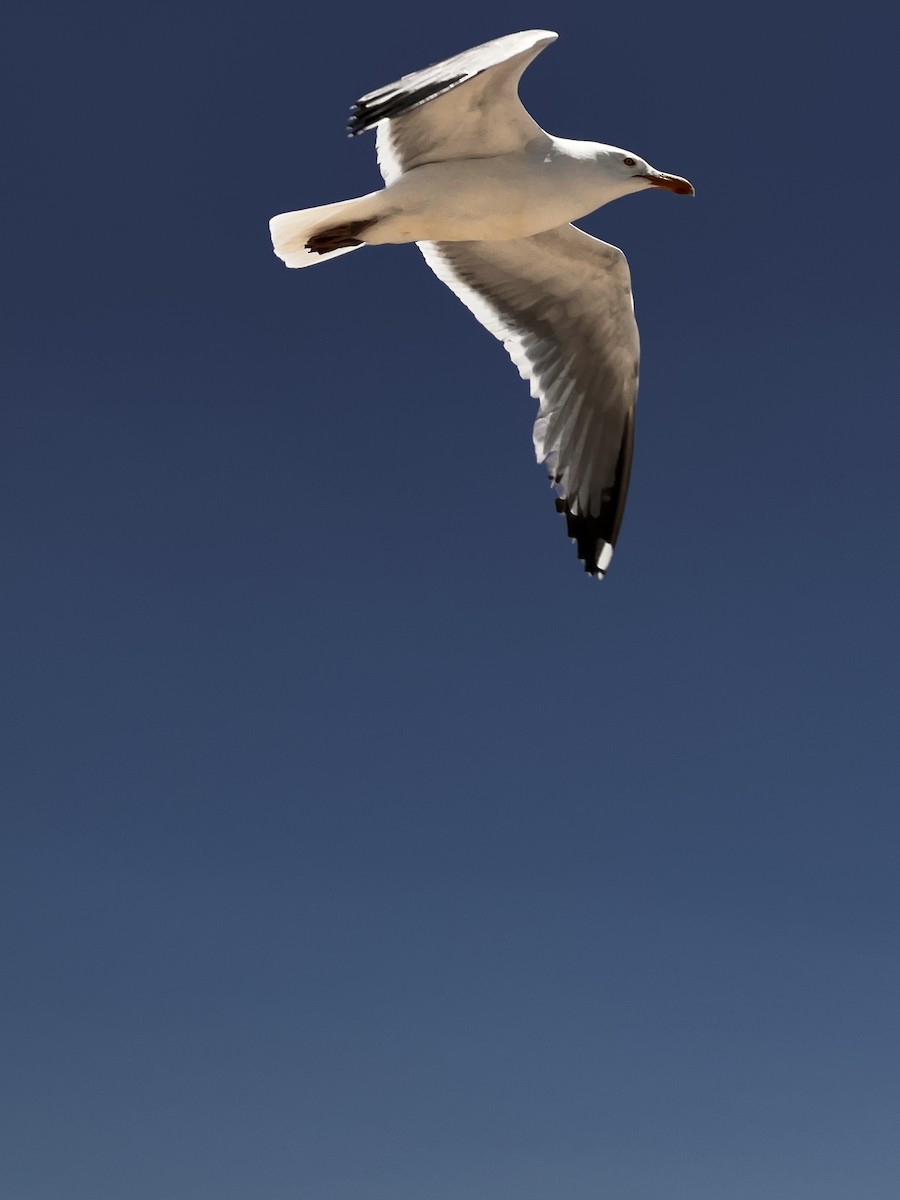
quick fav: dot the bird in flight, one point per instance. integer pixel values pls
(488, 196)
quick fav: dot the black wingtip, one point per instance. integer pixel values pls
(355, 123)
(595, 536)
(591, 538)
(397, 99)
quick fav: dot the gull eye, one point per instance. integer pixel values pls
(629, 162)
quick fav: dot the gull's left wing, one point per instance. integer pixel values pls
(464, 107)
(560, 302)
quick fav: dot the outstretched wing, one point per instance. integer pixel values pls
(560, 302)
(464, 107)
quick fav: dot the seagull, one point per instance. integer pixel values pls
(489, 198)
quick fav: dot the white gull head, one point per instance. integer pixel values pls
(614, 171)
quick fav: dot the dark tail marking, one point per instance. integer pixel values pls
(338, 237)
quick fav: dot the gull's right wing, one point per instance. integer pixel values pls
(467, 106)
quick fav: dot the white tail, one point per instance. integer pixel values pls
(291, 231)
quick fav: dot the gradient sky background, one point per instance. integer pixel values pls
(354, 851)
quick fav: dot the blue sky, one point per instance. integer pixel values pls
(351, 850)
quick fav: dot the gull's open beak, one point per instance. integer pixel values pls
(672, 183)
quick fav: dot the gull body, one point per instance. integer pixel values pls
(489, 196)
(513, 195)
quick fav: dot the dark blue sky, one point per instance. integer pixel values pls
(352, 851)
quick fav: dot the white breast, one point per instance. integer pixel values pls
(487, 199)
